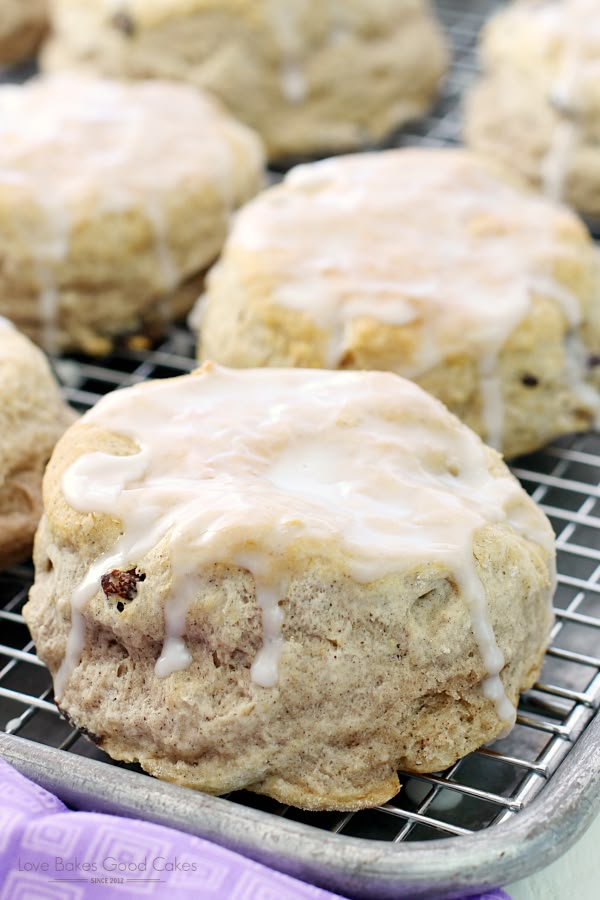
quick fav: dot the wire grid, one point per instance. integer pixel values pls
(494, 783)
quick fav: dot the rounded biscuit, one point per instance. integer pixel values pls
(114, 199)
(23, 24)
(434, 264)
(536, 108)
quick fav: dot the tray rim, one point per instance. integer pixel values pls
(356, 867)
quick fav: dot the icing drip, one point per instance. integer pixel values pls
(270, 588)
(574, 26)
(166, 261)
(294, 86)
(493, 657)
(86, 148)
(48, 307)
(175, 656)
(286, 22)
(433, 242)
(196, 317)
(360, 467)
(170, 273)
(569, 304)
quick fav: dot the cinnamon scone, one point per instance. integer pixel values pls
(294, 582)
(33, 416)
(537, 106)
(23, 24)
(309, 75)
(429, 263)
(114, 199)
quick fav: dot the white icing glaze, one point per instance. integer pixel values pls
(341, 27)
(90, 147)
(196, 316)
(48, 307)
(568, 35)
(433, 238)
(259, 468)
(556, 163)
(4, 323)
(270, 588)
(568, 302)
(286, 24)
(294, 86)
(170, 273)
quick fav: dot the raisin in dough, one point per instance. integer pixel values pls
(309, 75)
(290, 581)
(430, 263)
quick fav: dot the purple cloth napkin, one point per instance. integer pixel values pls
(50, 853)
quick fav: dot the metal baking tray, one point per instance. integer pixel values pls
(497, 815)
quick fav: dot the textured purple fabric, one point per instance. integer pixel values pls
(50, 853)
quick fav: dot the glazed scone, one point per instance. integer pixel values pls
(537, 106)
(290, 581)
(22, 26)
(114, 199)
(428, 263)
(309, 75)
(33, 416)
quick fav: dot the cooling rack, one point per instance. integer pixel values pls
(497, 815)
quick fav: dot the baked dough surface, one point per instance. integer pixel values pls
(311, 76)
(537, 106)
(114, 199)
(434, 264)
(33, 416)
(23, 24)
(294, 582)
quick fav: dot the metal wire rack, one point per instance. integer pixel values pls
(491, 786)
